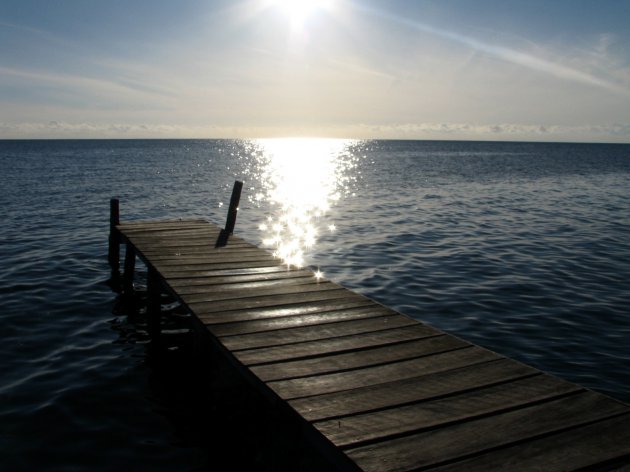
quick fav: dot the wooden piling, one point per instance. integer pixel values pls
(114, 237)
(154, 293)
(231, 216)
(130, 266)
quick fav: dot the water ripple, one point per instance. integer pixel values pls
(522, 248)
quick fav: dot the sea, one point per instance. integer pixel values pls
(523, 248)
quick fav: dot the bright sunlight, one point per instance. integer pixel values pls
(297, 11)
(301, 179)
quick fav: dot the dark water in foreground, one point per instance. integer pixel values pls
(522, 248)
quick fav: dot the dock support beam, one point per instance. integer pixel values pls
(154, 307)
(231, 217)
(130, 267)
(114, 248)
(113, 254)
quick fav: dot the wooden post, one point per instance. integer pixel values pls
(153, 303)
(130, 267)
(234, 201)
(114, 240)
(231, 217)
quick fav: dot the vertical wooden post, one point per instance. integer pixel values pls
(153, 303)
(114, 240)
(234, 201)
(130, 267)
(231, 216)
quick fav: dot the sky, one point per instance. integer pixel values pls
(536, 70)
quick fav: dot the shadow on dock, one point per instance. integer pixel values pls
(211, 407)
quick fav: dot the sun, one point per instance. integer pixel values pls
(298, 11)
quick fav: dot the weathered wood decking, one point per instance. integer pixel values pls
(377, 390)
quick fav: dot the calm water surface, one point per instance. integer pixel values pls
(522, 248)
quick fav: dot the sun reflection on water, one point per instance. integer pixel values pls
(300, 180)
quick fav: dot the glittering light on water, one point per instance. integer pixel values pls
(301, 180)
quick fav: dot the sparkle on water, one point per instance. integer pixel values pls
(301, 179)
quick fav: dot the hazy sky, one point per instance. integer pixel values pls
(443, 69)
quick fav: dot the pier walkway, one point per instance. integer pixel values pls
(374, 390)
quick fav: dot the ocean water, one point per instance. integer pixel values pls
(523, 248)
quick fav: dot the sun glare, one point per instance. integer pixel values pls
(297, 11)
(301, 179)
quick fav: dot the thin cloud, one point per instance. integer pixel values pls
(495, 131)
(124, 89)
(539, 64)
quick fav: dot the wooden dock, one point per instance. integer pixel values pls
(373, 389)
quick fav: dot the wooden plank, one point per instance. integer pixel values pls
(334, 345)
(358, 359)
(254, 272)
(130, 227)
(165, 221)
(312, 333)
(203, 257)
(242, 284)
(194, 250)
(235, 244)
(154, 240)
(197, 248)
(391, 422)
(296, 320)
(411, 390)
(137, 226)
(208, 255)
(294, 309)
(476, 436)
(239, 305)
(204, 271)
(157, 236)
(170, 235)
(202, 238)
(604, 445)
(202, 243)
(207, 263)
(166, 243)
(317, 385)
(269, 290)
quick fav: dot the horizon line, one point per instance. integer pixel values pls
(515, 141)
